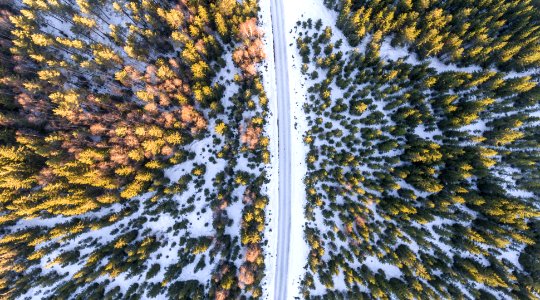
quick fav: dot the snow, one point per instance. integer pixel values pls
(514, 74)
(295, 11)
(507, 175)
(395, 53)
(54, 221)
(160, 226)
(103, 235)
(374, 264)
(272, 170)
(301, 10)
(421, 131)
(392, 53)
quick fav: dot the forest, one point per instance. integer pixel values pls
(423, 170)
(132, 149)
(137, 149)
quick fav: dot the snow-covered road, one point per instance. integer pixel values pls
(284, 121)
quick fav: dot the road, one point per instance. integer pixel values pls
(284, 124)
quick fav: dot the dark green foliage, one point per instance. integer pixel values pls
(427, 168)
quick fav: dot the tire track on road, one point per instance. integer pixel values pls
(284, 124)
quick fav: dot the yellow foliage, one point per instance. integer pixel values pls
(48, 74)
(266, 157)
(41, 40)
(360, 107)
(144, 177)
(107, 199)
(105, 55)
(174, 138)
(173, 17)
(220, 128)
(132, 190)
(85, 22)
(164, 72)
(70, 43)
(264, 141)
(199, 70)
(121, 243)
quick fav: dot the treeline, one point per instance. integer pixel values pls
(486, 33)
(97, 99)
(421, 183)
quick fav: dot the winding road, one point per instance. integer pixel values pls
(284, 124)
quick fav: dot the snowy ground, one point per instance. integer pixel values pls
(295, 11)
(391, 53)
(272, 189)
(196, 213)
(160, 226)
(302, 10)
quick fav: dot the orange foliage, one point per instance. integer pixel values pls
(252, 50)
(249, 30)
(253, 253)
(250, 136)
(221, 295)
(191, 116)
(245, 276)
(248, 197)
